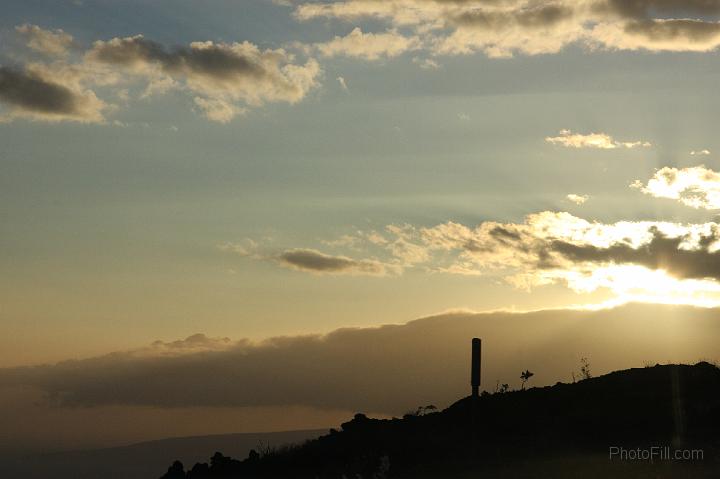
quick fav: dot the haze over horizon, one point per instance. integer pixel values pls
(258, 189)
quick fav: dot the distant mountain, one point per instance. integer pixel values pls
(142, 460)
(561, 431)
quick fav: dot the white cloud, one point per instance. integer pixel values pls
(218, 110)
(368, 46)
(342, 82)
(601, 141)
(426, 63)
(578, 199)
(700, 153)
(53, 43)
(697, 187)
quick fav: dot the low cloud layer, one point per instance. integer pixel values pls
(601, 141)
(697, 187)
(389, 369)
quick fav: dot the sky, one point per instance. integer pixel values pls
(222, 175)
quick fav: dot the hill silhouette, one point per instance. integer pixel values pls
(139, 460)
(565, 430)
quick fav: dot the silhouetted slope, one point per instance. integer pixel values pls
(141, 460)
(564, 430)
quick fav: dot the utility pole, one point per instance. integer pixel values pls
(475, 366)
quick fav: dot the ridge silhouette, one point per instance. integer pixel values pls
(564, 430)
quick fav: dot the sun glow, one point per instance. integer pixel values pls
(631, 283)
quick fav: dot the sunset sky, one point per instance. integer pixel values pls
(244, 170)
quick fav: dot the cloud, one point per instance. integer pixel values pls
(644, 8)
(679, 255)
(680, 35)
(499, 32)
(313, 261)
(697, 187)
(220, 74)
(342, 82)
(426, 63)
(652, 261)
(700, 153)
(389, 369)
(52, 43)
(218, 110)
(368, 46)
(531, 27)
(224, 79)
(577, 199)
(602, 141)
(35, 94)
(648, 261)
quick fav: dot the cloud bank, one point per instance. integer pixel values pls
(389, 369)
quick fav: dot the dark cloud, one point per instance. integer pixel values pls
(222, 74)
(315, 261)
(693, 31)
(32, 95)
(388, 369)
(538, 17)
(211, 60)
(651, 8)
(660, 253)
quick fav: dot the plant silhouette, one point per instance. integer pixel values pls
(525, 377)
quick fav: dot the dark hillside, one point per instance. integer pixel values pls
(565, 430)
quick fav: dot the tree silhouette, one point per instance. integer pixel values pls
(525, 376)
(585, 368)
(176, 471)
